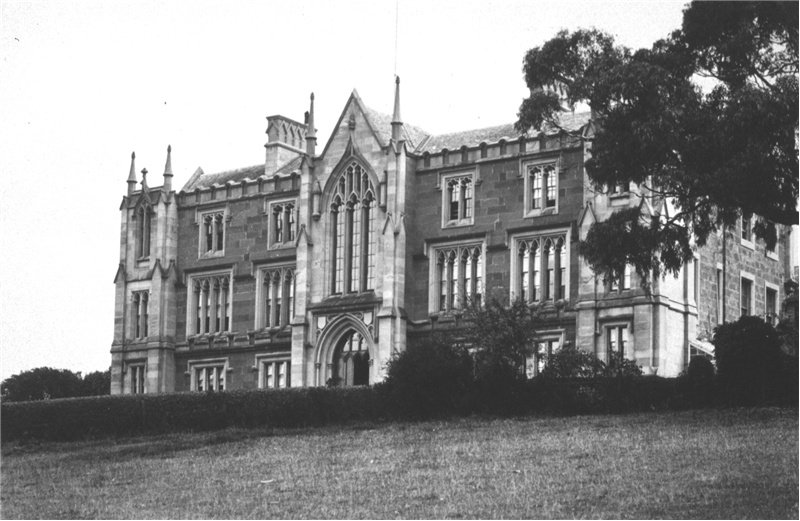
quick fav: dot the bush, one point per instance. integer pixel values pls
(571, 362)
(429, 379)
(749, 362)
(696, 384)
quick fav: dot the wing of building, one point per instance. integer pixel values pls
(316, 266)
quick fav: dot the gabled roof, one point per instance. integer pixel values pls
(206, 180)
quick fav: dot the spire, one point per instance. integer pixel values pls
(132, 175)
(311, 133)
(145, 188)
(168, 171)
(397, 123)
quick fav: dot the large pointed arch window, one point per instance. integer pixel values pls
(457, 277)
(353, 232)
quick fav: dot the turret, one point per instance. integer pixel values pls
(132, 175)
(167, 188)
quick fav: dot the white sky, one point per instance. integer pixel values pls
(84, 83)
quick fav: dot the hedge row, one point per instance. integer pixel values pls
(116, 416)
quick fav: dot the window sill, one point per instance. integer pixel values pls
(748, 244)
(552, 210)
(458, 224)
(212, 255)
(282, 245)
(772, 255)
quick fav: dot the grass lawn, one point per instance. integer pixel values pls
(739, 463)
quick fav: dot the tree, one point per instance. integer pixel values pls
(712, 156)
(44, 383)
(41, 383)
(502, 339)
(97, 383)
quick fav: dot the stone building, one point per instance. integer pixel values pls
(319, 264)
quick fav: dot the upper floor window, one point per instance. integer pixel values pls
(140, 315)
(353, 232)
(209, 304)
(457, 277)
(541, 188)
(212, 233)
(620, 188)
(540, 268)
(282, 230)
(276, 297)
(747, 229)
(621, 281)
(458, 200)
(143, 231)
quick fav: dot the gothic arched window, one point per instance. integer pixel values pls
(143, 231)
(352, 232)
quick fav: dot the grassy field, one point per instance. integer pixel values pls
(697, 464)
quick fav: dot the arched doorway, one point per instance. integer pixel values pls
(350, 363)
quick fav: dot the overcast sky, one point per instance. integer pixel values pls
(84, 83)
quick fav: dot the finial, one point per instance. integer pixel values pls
(311, 133)
(144, 178)
(396, 114)
(168, 165)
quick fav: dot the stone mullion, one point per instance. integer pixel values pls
(462, 188)
(449, 285)
(545, 282)
(204, 307)
(365, 238)
(348, 250)
(532, 297)
(224, 288)
(557, 271)
(473, 258)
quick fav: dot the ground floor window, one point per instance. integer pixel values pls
(136, 375)
(617, 339)
(543, 349)
(208, 376)
(351, 360)
(274, 374)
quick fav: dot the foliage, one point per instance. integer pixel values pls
(697, 382)
(620, 367)
(571, 362)
(712, 156)
(97, 383)
(749, 361)
(44, 383)
(501, 338)
(430, 378)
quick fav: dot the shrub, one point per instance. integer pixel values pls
(571, 362)
(620, 367)
(430, 378)
(696, 383)
(749, 361)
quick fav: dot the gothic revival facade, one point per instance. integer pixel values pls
(318, 265)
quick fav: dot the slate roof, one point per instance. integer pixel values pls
(569, 121)
(207, 180)
(382, 124)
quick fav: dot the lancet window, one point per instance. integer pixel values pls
(143, 231)
(140, 313)
(353, 232)
(458, 277)
(210, 300)
(541, 268)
